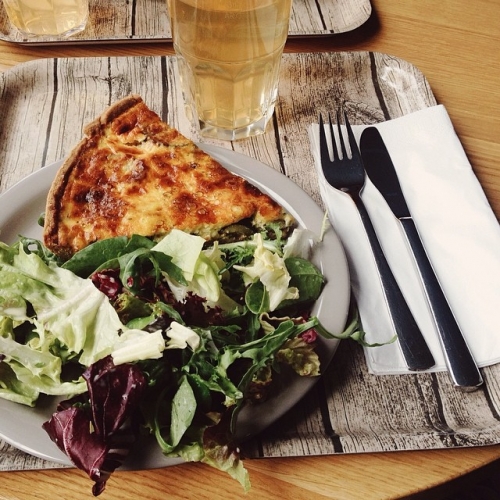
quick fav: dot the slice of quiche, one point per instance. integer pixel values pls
(134, 174)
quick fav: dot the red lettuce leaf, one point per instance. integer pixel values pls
(114, 391)
(95, 437)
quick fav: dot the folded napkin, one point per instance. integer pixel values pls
(458, 228)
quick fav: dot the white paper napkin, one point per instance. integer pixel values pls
(458, 228)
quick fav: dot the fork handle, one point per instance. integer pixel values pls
(462, 367)
(414, 348)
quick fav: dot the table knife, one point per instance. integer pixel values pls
(380, 170)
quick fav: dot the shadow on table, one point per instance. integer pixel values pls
(483, 484)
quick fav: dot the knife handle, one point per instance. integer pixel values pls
(461, 365)
(415, 350)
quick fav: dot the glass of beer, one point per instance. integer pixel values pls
(48, 17)
(229, 54)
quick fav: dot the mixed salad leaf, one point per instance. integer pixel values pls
(167, 338)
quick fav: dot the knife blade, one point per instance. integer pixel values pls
(381, 171)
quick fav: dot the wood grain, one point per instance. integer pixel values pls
(380, 476)
(349, 411)
(122, 21)
(456, 46)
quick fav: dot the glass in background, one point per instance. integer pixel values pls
(48, 17)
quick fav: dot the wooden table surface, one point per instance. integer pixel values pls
(456, 45)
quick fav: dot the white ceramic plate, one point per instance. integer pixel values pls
(20, 208)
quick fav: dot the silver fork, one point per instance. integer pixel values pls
(348, 175)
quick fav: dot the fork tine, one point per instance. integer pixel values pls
(324, 151)
(323, 145)
(355, 153)
(335, 152)
(341, 136)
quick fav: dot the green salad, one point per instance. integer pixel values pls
(167, 338)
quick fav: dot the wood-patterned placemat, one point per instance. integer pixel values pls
(44, 105)
(120, 21)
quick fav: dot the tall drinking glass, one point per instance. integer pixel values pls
(229, 54)
(48, 17)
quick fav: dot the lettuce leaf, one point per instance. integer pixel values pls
(49, 316)
(269, 268)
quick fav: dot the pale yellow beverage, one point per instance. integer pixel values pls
(48, 17)
(229, 54)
